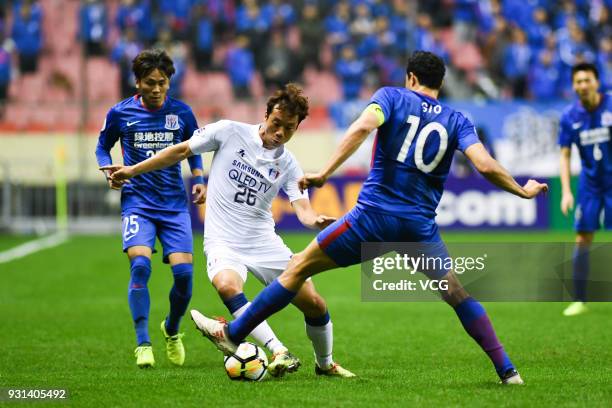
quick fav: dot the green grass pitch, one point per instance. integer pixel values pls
(65, 323)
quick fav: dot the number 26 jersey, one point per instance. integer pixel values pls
(243, 181)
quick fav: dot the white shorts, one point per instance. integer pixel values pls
(266, 263)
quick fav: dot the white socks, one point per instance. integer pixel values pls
(263, 334)
(322, 338)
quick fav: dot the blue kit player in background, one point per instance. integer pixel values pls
(417, 137)
(586, 123)
(154, 205)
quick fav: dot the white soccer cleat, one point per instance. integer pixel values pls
(512, 377)
(215, 331)
(575, 309)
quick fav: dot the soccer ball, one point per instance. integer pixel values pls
(249, 363)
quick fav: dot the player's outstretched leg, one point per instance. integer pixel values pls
(581, 274)
(139, 302)
(319, 329)
(476, 323)
(270, 300)
(229, 286)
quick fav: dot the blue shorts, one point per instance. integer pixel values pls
(592, 210)
(341, 241)
(172, 228)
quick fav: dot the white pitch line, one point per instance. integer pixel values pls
(31, 247)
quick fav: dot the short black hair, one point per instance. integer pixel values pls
(427, 67)
(149, 60)
(291, 100)
(585, 66)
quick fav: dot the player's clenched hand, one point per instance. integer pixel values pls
(199, 193)
(532, 188)
(311, 180)
(323, 221)
(567, 203)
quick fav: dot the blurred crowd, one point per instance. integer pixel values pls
(515, 48)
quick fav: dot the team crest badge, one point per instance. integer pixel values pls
(172, 122)
(606, 118)
(273, 173)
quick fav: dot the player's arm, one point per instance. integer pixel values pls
(496, 174)
(308, 216)
(164, 158)
(371, 118)
(565, 142)
(109, 134)
(567, 198)
(198, 191)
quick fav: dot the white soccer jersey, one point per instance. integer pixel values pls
(244, 178)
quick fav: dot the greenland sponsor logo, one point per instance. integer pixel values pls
(172, 122)
(593, 136)
(475, 208)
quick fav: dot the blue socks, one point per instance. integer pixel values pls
(476, 323)
(235, 303)
(180, 295)
(581, 272)
(318, 321)
(270, 300)
(138, 297)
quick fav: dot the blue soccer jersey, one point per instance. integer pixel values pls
(413, 153)
(590, 132)
(142, 133)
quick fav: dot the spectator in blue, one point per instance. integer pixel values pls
(5, 74)
(604, 62)
(93, 27)
(568, 11)
(601, 22)
(27, 36)
(280, 14)
(126, 49)
(251, 23)
(240, 66)
(351, 73)
(380, 8)
(538, 29)
(35, 8)
(428, 38)
(176, 13)
(518, 12)
(403, 27)
(544, 77)
(363, 23)
(517, 59)
(137, 14)
(202, 33)
(572, 41)
(337, 26)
